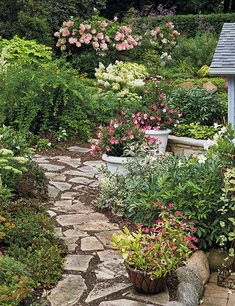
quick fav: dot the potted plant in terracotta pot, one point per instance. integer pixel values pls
(152, 253)
(157, 120)
(120, 142)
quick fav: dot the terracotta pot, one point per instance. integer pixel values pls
(143, 283)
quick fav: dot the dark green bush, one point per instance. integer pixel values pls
(199, 105)
(196, 51)
(32, 241)
(15, 282)
(43, 259)
(33, 183)
(39, 19)
(46, 99)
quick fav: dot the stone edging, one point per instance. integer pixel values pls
(185, 145)
(192, 279)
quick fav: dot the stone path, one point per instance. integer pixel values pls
(217, 296)
(93, 273)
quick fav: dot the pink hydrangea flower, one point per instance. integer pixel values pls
(65, 32)
(95, 44)
(100, 35)
(82, 27)
(72, 40)
(103, 24)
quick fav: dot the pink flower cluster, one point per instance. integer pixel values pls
(164, 38)
(118, 136)
(159, 116)
(100, 35)
(158, 229)
(125, 39)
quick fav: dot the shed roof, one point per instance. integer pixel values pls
(224, 58)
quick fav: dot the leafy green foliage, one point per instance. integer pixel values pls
(197, 51)
(43, 259)
(15, 282)
(33, 242)
(228, 209)
(195, 188)
(39, 19)
(195, 130)
(25, 51)
(14, 141)
(46, 99)
(198, 105)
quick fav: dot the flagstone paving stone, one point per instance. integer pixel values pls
(68, 291)
(77, 262)
(91, 244)
(104, 289)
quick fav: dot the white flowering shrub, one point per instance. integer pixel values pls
(121, 77)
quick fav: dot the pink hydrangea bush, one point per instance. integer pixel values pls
(97, 33)
(158, 116)
(164, 39)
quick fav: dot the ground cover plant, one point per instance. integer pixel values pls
(194, 185)
(27, 241)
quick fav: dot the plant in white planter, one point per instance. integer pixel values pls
(157, 120)
(120, 142)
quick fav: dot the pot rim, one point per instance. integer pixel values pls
(116, 159)
(145, 273)
(157, 132)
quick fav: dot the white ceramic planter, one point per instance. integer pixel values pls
(117, 164)
(162, 136)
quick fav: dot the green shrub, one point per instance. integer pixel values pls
(15, 282)
(198, 105)
(32, 241)
(194, 185)
(195, 130)
(11, 168)
(43, 259)
(33, 183)
(196, 51)
(46, 99)
(25, 51)
(14, 141)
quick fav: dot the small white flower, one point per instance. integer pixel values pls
(223, 130)
(180, 163)
(138, 83)
(201, 159)
(208, 144)
(115, 125)
(115, 18)
(216, 125)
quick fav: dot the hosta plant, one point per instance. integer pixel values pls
(156, 250)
